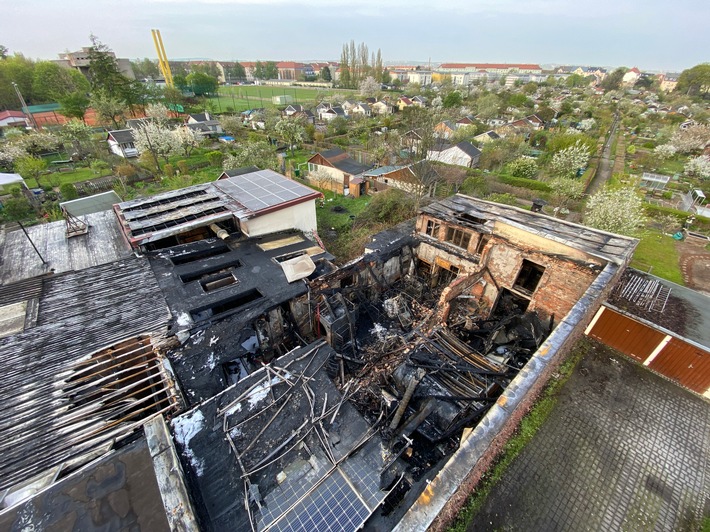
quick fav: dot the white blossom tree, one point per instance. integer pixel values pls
(523, 167)
(437, 103)
(291, 130)
(369, 86)
(260, 154)
(616, 210)
(694, 138)
(565, 191)
(153, 138)
(698, 167)
(665, 151)
(158, 112)
(9, 153)
(566, 162)
(187, 139)
(586, 124)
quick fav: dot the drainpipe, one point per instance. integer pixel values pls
(409, 392)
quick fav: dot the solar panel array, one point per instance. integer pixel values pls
(263, 189)
(333, 506)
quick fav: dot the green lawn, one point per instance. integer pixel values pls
(57, 179)
(672, 166)
(657, 252)
(243, 97)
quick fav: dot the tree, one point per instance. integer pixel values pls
(564, 191)
(617, 211)
(3, 52)
(17, 209)
(498, 153)
(369, 86)
(545, 113)
(694, 138)
(68, 191)
(157, 140)
(231, 124)
(108, 107)
(104, 74)
(291, 130)
(325, 74)
(146, 69)
(187, 139)
(158, 112)
(78, 134)
(524, 166)
(259, 70)
(565, 163)
(51, 82)
(695, 81)
(9, 153)
(271, 71)
(201, 84)
(74, 105)
(31, 167)
(665, 151)
(260, 154)
(236, 72)
(453, 99)
(16, 69)
(698, 167)
(612, 81)
(488, 106)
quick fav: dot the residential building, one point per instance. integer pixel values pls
(487, 136)
(381, 108)
(631, 77)
(462, 154)
(335, 170)
(121, 143)
(496, 68)
(290, 70)
(13, 119)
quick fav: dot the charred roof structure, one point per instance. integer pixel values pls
(305, 396)
(254, 203)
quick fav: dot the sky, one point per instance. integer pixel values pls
(649, 34)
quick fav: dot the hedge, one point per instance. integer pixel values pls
(701, 222)
(524, 183)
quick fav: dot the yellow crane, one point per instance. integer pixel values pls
(162, 58)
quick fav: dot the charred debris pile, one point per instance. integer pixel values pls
(423, 380)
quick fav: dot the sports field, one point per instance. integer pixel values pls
(243, 97)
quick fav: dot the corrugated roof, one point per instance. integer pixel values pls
(79, 313)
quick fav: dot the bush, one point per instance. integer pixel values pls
(215, 158)
(390, 207)
(505, 198)
(655, 211)
(524, 183)
(68, 191)
(474, 186)
(15, 209)
(126, 170)
(169, 170)
(182, 166)
(99, 166)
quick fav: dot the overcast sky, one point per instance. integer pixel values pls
(650, 34)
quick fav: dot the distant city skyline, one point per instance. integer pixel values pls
(650, 35)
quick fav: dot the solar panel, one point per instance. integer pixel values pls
(333, 506)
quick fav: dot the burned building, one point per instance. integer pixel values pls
(313, 397)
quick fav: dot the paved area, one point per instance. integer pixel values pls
(623, 449)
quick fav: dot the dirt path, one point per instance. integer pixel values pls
(606, 161)
(695, 264)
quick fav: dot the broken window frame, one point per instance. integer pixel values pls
(529, 277)
(458, 237)
(433, 228)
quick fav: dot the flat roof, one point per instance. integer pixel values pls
(608, 246)
(91, 204)
(265, 189)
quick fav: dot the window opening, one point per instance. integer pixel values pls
(528, 277)
(458, 237)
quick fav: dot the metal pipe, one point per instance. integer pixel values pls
(408, 393)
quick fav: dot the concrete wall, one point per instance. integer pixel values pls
(301, 216)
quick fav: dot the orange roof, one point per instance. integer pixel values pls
(289, 64)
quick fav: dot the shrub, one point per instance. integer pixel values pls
(524, 183)
(525, 167)
(99, 166)
(126, 170)
(68, 191)
(169, 170)
(505, 198)
(182, 166)
(215, 158)
(474, 186)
